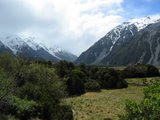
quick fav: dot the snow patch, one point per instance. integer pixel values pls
(143, 22)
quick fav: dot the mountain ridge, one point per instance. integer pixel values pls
(30, 49)
(109, 49)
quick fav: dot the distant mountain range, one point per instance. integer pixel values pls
(29, 49)
(134, 41)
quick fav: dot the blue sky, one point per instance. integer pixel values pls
(74, 25)
(140, 8)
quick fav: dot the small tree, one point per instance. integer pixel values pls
(63, 68)
(109, 79)
(6, 85)
(92, 86)
(75, 82)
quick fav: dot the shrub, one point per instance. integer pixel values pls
(147, 109)
(136, 71)
(43, 86)
(109, 79)
(92, 86)
(63, 68)
(31, 90)
(75, 82)
(9, 63)
(64, 113)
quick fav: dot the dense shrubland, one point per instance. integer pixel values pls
(139, 71)
(82, 78)
(35, 89)
(31, 90)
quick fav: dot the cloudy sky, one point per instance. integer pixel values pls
(71, 24)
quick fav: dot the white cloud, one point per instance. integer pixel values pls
(72, 24)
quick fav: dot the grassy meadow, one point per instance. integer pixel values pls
(107, 104)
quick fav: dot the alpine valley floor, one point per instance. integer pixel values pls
(107, 104)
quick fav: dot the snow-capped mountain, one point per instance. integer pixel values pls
(62, 54)
(30, 49)
(14, 43)
(117, 46)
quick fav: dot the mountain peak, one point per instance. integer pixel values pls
(143, 22)
(29, 47)
(13, 42)
(134, 41)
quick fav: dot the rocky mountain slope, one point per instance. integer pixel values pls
(32, 50)
(135, 41)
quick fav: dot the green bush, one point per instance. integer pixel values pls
(75, 82)
(64, 113)
(6, 85)
(22, 109)
(92, 86)
(9, 63)
(138, 71)
(110, 79)
(147, 109)
(43, 86)
(31, 90)
(63, 68)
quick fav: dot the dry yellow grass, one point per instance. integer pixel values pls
(104, 104)
(107, 103)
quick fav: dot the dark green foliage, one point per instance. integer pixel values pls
(109, 79)
(75, 82)
(147, 109)
(64, 68)
(6, 85)
(20, 108)
(152, 71)
(43, 86)
(78, 77)
(34, 89)
(64, 113)
(92, 86)
(31, 90)
(137, 71)
(9, 63)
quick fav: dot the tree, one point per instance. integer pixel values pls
(92, 86)
(43, 86)
(75, 82)
(9, 63)
(6, 85)
(140, 70)
(31, 90)
(110, 78)
(64, 68)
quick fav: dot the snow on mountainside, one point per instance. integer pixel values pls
(109, 49)
(28, 47)
(61, 54)
(141, 23)
(31, 43)
(15, 43)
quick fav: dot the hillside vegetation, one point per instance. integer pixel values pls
(45, 90)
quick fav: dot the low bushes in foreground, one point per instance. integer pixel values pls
(31, 90)
(148, 108)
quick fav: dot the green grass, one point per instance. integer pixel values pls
(107, 103)
(142, 81)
